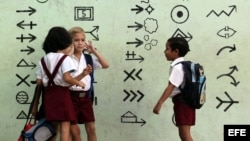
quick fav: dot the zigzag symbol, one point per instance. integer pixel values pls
(228, 14)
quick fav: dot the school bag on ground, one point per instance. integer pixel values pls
(193, 92)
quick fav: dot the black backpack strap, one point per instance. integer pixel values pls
(89, 60)
(51, 76)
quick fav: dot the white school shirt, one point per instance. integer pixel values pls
(176, 76)
(51, 60)
(81, 65)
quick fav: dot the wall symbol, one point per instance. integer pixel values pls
(23, 63)
(129, 75)
(179, 14)
(137, 42)
(230, 101)
(233, 68)
(226, 32)
(22, 24)
(94, 33)
(30, 38)
(23, 80)
(30, 11)
(29, 50)
(134, 95)
(230, 48)
(84, 13)
(179, 33)
(22, 115)
(129, 117)
(132, 56)
(22, 97)
(223, 12)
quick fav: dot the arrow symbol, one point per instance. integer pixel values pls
(180, 33)
(228, 14)
(137, 26)
(230, 101)
(140, 59)
(131, 56)
(31, 11)
(134, 95)
(29, 50)
(23, 63)
(234, 68)
(137, 42)
(129, 117)
(96, 28)
(138, 9)
(233, 48)
(31, 38)
(22, 24)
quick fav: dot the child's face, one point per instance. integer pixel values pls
(79, 42)
(170, 54)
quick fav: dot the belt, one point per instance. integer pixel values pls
(78, 93)
(177, 97)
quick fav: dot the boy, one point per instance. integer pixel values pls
(81, 99)
(176, 49)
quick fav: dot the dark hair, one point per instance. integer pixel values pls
(179, 43)
(58, 38)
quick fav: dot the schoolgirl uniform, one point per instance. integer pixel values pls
(82, 103)
(184, 114)
(57, 106)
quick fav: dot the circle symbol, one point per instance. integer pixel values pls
(22, 97)
(42, 1)
(179, 14)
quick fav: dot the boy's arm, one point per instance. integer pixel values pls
(167, 92)
(99, 56)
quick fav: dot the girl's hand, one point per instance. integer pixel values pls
(87, 70)
(81, 84)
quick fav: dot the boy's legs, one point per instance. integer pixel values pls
(184, 118)
(184, 133)
(75, 132)
(90, 130)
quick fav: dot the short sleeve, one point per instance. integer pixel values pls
(68, 65)
(176, 75)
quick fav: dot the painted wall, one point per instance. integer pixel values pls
(132, 35)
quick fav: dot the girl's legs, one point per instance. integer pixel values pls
(75, 132)
(90, 129)
(65, 131)
(184, 133)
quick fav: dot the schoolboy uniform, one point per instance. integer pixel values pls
(82, 103)
(57, 106)
(184, 114)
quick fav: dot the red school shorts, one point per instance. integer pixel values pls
(83, 107)
(184, 114)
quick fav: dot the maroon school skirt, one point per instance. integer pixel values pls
(58, 105)
(184, 114)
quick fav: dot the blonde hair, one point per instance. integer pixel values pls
(75, 30)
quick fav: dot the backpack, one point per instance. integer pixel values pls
(91, 90)
(193, 92)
